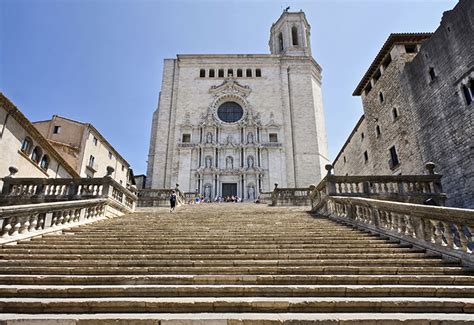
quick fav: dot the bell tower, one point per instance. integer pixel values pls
(289, 35)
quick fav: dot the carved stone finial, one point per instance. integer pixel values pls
(276, 185)
(13, 170)
(177, 186)
(329, 167)
(312, 187)
(430, 166)
(110, 171)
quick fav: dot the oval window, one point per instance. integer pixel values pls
(230, 112)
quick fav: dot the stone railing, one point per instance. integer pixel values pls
(265, 197)
(291, 196)
(421, 189)
(447, 231)
(19, 191)
(401, 207)
(23, 221)
(158, 197)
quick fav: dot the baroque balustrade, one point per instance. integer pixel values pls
(444, 230)
(402, 207)
(160, 197)
(40, 190)
(420, 189)
(34, 206)
(23, 221)
(265, 197)
(298, 196)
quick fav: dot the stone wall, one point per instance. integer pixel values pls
(423, 114)
(443, 122)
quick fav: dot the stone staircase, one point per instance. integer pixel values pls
(228, 264)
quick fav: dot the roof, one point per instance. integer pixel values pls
(90, 126)
(394, 38)
(362, 118)
(42, 141)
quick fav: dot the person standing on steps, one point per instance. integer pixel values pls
(173, 200)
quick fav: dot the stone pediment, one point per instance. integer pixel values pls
(230, 86)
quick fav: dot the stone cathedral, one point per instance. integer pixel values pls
(238, 124)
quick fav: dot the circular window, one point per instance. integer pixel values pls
(230, 112)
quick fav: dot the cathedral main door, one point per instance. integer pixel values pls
(229, 189)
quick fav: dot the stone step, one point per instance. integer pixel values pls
(286, 251)
(158, 256)
(224, 263)
(241, 319)
(236, 304)
(348, 279)
(202, 240)
(197, 247)
(242, 246)
(96, 270)
(94, 291)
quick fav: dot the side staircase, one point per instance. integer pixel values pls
(229, 264)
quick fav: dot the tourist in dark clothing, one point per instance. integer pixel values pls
(173, 200)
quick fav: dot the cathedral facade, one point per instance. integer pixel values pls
(238, 124)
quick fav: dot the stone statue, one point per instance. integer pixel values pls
(208, 162)
(230, 140)
(209, 137)
(250, 137)
(250, 162)
(207, 191)
(229, 163)
(251, 192)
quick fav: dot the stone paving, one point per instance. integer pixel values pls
(230, 264)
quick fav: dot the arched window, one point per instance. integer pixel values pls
(211, 73)
(248, 72)
(202, 73)
(36, 154)
(26, 145)
(44, 163)
(280, 42)
(258, 73)
(294, 35)
(239, 72)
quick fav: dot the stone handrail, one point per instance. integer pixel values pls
(422, 189)
(404, 188)
(158, 197)
(23, 221)
(40, 190)
(265, 197)
(298, 196)
(447, 231)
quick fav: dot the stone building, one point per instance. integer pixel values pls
(84, 148)
(418, 106)
(237, 124)
(24, 148)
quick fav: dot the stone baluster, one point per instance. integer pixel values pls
(448, 235)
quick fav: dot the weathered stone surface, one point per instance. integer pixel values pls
(433, 122)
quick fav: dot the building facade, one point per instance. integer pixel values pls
(418, 106)
(25, 149)
(237, 124)
(84, 148)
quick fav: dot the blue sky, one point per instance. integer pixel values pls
(100, 61)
